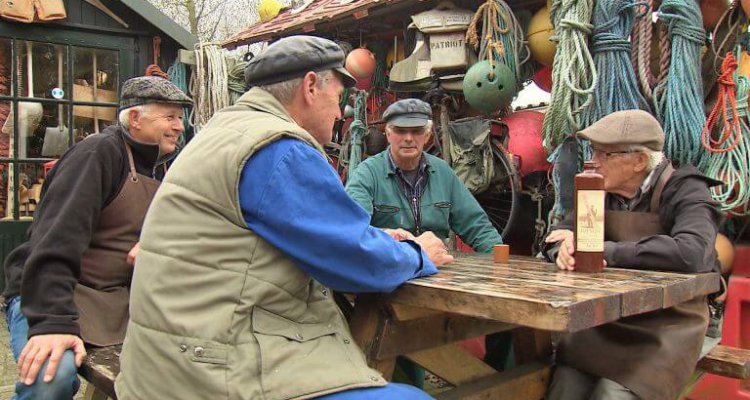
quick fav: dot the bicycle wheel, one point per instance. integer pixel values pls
(500, 200)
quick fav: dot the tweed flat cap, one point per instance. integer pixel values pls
(151, 89)
(624, 128)
(408, 113)
(293, 57)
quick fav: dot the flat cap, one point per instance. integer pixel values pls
(408, 113)
(624, 128)
(151, 89)
(293, 57)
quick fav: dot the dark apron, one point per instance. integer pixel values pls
(652, 354)
(103, 289)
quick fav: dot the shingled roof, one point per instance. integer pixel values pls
(308, 20)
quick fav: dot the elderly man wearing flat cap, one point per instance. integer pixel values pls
(244, 243)
(68, 285)
(657, 218)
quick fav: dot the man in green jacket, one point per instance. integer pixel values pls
(404, 187)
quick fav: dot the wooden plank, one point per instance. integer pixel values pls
(100, 368)
(452, 363)
(727, 361)
(403, 337)
(527, 382)
(405, 313)
(186, 57)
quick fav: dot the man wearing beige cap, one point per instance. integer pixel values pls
(244, 243)
(657, 218)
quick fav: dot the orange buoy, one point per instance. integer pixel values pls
(746, 7)
(725, 250)
(538, 34)
(525, 141)
(361, 63)
(744, 64)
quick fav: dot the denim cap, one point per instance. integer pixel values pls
(151, 89)
(293, 57)
(408, 113)
(626, 128)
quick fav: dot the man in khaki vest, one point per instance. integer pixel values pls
(244, 243)
(657, 218)
(69, 284)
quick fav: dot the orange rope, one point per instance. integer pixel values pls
(731, 122)
(154, 69)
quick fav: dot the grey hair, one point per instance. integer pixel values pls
(654, 157)
(427, 128)
(124, 115)
(284, 91)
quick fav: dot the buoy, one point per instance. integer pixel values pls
(525, 141)
(269, 9)
(744, 65)
(746, 7)
(712, 11)
(360, 63)
(489, 89)
(543, 78)
(538, 35)
(725, 250)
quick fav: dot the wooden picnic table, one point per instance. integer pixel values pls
(475, 296)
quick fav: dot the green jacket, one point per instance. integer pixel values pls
(216, 311)
(445, 205)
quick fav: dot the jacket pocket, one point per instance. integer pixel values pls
(386, 209)
(299, 359)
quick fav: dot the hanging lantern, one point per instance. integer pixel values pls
(361, 63)
(489, 89)
(538, 35)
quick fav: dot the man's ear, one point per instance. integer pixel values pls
(641, 162)
(309, 86)
(134, 119)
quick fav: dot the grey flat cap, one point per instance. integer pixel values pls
(293, 57)
(151, 89)
(624, 128)
(408, 113)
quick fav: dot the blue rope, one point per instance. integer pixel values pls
(357, 131)
(617, 88)
(178, 75)
(679, 99)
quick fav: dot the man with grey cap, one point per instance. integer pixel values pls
(233, 285)
(69, 284)
(657, 218)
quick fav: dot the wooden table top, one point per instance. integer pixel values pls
(533, 293)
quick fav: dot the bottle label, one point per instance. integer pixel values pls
(590, 223)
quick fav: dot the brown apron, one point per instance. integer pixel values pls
(102, 293)
(651, 354)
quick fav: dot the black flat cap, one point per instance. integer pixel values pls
(625, 128)
(151, 89)
(408, 113)
(293, 57)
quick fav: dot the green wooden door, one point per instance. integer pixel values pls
(57, 86)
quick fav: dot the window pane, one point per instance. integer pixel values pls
(6, 128)
(6, 67)
(30, 116)
(95, 75)
(30, 180)
(45, 69)
(90, 120)
(51, 139)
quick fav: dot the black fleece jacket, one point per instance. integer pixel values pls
(45, 269)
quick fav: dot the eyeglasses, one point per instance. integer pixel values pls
(610, 154)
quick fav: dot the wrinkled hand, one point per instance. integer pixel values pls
(43, 347)
(434, 248)
(565, 259)
(399, 234)
(133, 253)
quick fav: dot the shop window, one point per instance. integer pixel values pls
(42, 69)
(92, 119)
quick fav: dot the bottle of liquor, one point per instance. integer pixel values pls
(589, 220)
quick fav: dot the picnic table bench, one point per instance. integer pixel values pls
(473, 296)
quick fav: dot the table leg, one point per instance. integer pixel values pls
(531, 345)
(370, 320)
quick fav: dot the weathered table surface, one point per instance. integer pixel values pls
(475, 296)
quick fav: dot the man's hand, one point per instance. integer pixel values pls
(434, 248)
(43, 347)
(565, 259)
(133, 253)
(399, 234)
